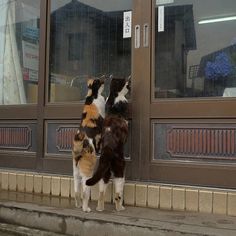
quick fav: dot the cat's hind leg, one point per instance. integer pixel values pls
(119, 186)
(101, 196)
(85, 195)
(77, 185)
(102, 184)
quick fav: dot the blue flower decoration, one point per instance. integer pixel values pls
(221, 68)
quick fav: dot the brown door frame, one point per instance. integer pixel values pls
(141, 92)
(67, 112)
(18, 115)
(60, 112)
(186, 111)
(144, 111)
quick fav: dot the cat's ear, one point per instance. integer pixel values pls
(129, 82)
(91, 150)
(102, 78)
(128, 78)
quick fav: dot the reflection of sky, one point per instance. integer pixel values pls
(210, 37)
(104, 5)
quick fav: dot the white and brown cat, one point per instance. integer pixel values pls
(114, 137)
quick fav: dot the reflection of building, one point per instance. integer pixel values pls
(172, 46)
(89, 42)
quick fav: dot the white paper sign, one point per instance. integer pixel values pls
(161, 17)
(127, 24)
(33, 75)
(162, 2)
(30, 55)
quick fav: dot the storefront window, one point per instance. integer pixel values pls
(19, 47)
(86, 41)
(195, 48)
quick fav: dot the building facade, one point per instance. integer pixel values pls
(182, 58)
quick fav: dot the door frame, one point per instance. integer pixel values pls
(66, 113)
(190, 111)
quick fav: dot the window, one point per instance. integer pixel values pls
(76, 52)
(86, 41)
(19, 51)
(195, 49)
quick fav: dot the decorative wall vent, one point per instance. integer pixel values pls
(201, 142)
(64, 138)
(15, 138)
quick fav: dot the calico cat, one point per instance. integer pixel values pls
(84, 160)
(114, 137)
(91, 125)
(94, 111)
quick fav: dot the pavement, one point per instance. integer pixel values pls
(16, 230)
(43, 215)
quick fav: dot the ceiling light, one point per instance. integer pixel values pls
(217, 20)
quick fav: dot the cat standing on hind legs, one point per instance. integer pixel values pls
(84, 160)
(90, 130)
(114, 137)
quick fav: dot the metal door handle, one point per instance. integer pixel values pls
(137, 36)
(145, 35)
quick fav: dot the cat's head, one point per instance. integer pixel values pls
(120, 86)
(96, 86)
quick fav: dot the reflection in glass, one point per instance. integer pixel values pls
(86, 41)
(19, 45)
(196, 51)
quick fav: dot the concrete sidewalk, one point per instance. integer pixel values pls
(59, 215)
(16, 230)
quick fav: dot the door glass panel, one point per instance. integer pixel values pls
(86, 41)
(195, 48)
(19, 48)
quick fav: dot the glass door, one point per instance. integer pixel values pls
(85, 39)
(192, 115)
(20, 37)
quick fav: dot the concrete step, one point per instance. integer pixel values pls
(16, 230)
(59, 215)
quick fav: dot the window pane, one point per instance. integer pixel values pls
(19, 46)
(195, 52)
(86, 41)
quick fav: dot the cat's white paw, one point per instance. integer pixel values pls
(120, 208)
(99, 208)
(78, 202)
(78, 205)
(87, 209)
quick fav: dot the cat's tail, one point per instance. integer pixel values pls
(103, 167)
